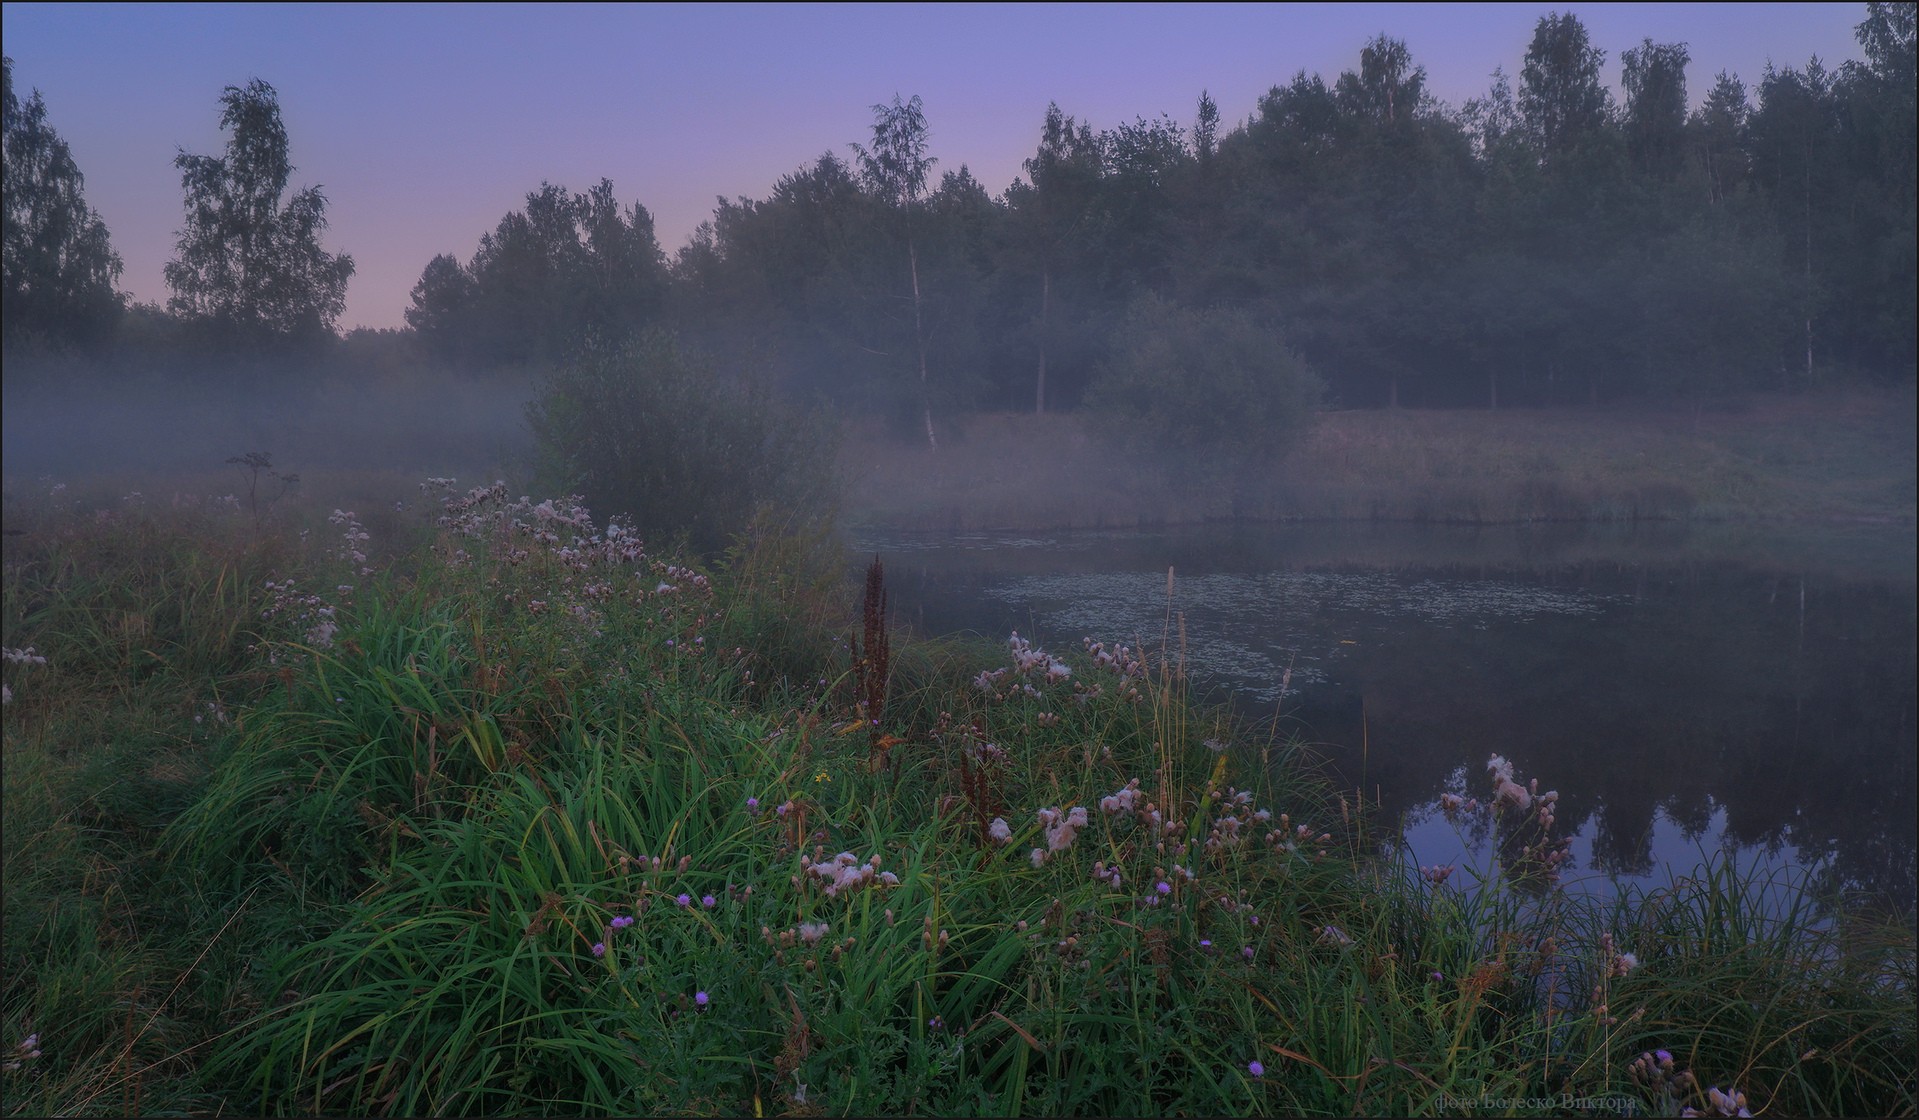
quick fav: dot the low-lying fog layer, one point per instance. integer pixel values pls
(429, 424)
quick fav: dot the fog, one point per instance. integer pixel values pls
(430, 423)
(1174, 304)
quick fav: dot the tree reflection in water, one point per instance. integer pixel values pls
(1682, 701)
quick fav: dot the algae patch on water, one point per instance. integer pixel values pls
(1247, 630)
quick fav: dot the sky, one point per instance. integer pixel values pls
(425, 124)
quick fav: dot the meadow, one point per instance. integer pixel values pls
(475, 805)
(1843, 454)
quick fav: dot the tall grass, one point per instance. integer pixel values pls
(123, 965)
(538, 821)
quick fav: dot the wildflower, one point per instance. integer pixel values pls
(684, 900)
(1438, 977)
(1247, 952)
(811, 932)
(1722, 1104)
(752, 804)
(623, 921)
(1333, 935)
(1163, 887)
(1624, 963)
(25, 1051)
(936, 1023)
(700, 998)
(1060, 834)
(599, 948)
(1038, 857)
(707, 901)
(1664, 1056)
(1000, 831)
(1253, 1067)
(1121, 801)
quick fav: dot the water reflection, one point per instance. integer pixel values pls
(1681, 695)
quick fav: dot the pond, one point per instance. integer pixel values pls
(1689, 690)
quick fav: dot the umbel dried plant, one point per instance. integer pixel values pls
(256, 464)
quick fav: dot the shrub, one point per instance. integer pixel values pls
(1214, 392)
(649, 432)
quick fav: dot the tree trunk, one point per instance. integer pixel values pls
(1045, 300)
(919, 338)
(1808, 166)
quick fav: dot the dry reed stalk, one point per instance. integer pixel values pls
(874, 665)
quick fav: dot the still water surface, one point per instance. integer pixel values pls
(1689, 691)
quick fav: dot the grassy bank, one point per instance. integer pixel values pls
(1832, 456)
(495, 812)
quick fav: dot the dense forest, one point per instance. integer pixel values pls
(1543, 244)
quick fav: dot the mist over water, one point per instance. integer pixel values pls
(1683, 697)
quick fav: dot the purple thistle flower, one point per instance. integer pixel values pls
(1247, 952)
(599, 948)
(622, 921)
(684, 900)
(700, 998)
(752, 804)
(1253, 1067)
(708, 901)
(1163, 887)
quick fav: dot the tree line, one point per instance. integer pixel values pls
(1541, 244)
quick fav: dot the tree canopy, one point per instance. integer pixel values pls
(248, 266)
(1541, 244)
(59, 261)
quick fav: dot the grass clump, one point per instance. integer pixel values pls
(537, 820)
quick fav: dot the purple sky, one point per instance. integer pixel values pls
(425, 124)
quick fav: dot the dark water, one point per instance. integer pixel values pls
(1688, 691)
